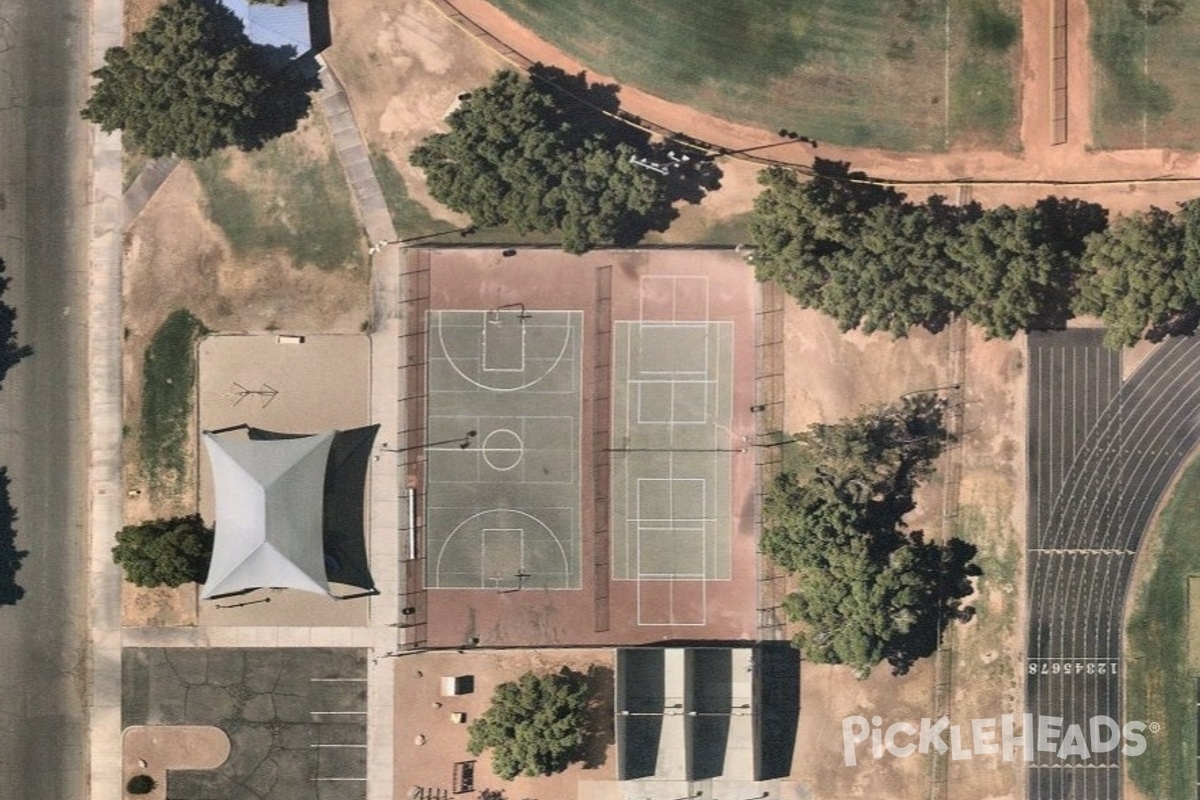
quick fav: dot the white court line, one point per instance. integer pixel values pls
(569, 336)
(487, 333)
(483, 560)
(339, 680)
(675, 281)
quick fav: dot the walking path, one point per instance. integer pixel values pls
(148, 181)
(104, 430)
(1040, 161)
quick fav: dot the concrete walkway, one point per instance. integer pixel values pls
(386, 386)
(105, 419)
(148, 181)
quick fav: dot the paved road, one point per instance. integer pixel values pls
(1101, 455)
(42, 436)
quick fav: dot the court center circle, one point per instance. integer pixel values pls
(503, 449)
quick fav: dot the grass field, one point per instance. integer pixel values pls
(855, 72)
(985, 54)
(168, 384)
(1159, 687)
(284, 197)
(1146, 81)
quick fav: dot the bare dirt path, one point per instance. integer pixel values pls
(1039, 166)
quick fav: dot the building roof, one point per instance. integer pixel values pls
(269, 507)
(287, 25)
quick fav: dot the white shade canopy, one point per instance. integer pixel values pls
(269, 506)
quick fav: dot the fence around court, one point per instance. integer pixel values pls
(769, 419)
(601, 441)
(414, 306)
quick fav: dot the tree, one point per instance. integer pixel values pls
(868, 589)
(1136, 277)
(856, 251)
(165, 552)
(191, 83)
(869, 258)
(535, 725)
(1017, 267)
(519, 153)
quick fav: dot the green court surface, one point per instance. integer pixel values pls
(671, 450)
(502, 474)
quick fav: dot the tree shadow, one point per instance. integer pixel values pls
(950, 568)
(590, 108)
(285, 102)
(10, 556)
(11, 353)
(1184, 323)
(599, 736)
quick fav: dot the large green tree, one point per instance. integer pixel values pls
(1136, 277)
(871, 259)
(191, 83)
(535, 725)
(165, 552)
(856, 251)
(1017, 267)
(521, 154)
(868, 589)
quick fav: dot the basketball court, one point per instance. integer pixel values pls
(503, 459)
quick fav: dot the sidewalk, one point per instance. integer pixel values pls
(386, 387)
(105, 418)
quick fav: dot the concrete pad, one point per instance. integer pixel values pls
(277, 382)
(167, 747)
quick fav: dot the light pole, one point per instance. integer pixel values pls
(463, 443)
(382, 243)
(675, 450)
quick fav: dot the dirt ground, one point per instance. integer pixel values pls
(843, 373)
(428, 742)
(176, 258)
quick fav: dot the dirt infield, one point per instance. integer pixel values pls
(668, 289)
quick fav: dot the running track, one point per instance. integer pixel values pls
(1101, 455)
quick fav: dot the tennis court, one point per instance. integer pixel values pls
(672, 447)
(503, 501)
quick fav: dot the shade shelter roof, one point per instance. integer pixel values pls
(269, 509)
(285, 25)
